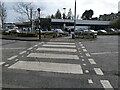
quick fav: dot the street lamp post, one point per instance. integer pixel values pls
(39, 23)
(73, 35)
(64, 18)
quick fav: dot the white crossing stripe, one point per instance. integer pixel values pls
(1, 63)
(87, 54)
(98, 71)
(13, 57)
(60, 43)
(106, 84)
(22, 52)
(55, 56)
(73, 46)
(84, 50)
(92, 61)
(57, 49)
(48, 67)
(90, 81)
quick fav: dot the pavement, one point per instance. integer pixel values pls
(61, 63)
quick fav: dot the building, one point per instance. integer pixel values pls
(93, 24)
(66, 23)
(109, 17)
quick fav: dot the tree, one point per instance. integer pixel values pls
(64, 16)
(52, 16)
(69, 15)
(25, 9)
(115, 23)
(87, 15)
(58, 14)
(3, 13)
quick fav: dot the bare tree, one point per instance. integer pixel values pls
(26, 9)
(3, 13)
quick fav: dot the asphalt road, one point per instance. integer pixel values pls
(60, 63)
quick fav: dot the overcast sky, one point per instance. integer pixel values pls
(49, 7)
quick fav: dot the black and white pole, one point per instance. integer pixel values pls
(39, 23)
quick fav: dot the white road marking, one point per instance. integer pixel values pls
(106, 84)
(30, 48)
(11, 48)
(48, 67)
(87, 54)
(86, 71)
(84, 64)
(13, 57)
(83, 60)
(22, 52)
(73, 46)
(57, 49)
(1, 63)
(98, 71)
(84, 50)
(16, 60)
(35, 45)
(90, 81)
(60, 43)
(7, 65)
(55, 56)
(81, 56)
(104, 53)
(92, 61)
(82, 47)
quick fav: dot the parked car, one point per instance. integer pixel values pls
(102, 31)
(12, 31)
(78, 31)
(110, 30)
(60, 32)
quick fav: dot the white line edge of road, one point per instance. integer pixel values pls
(13, 57)
(106, 84)
(98, 71)
(104, 53)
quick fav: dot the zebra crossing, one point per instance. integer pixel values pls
(50, 66)
(57, 67)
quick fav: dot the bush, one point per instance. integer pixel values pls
(110, 33)
(26, 35)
